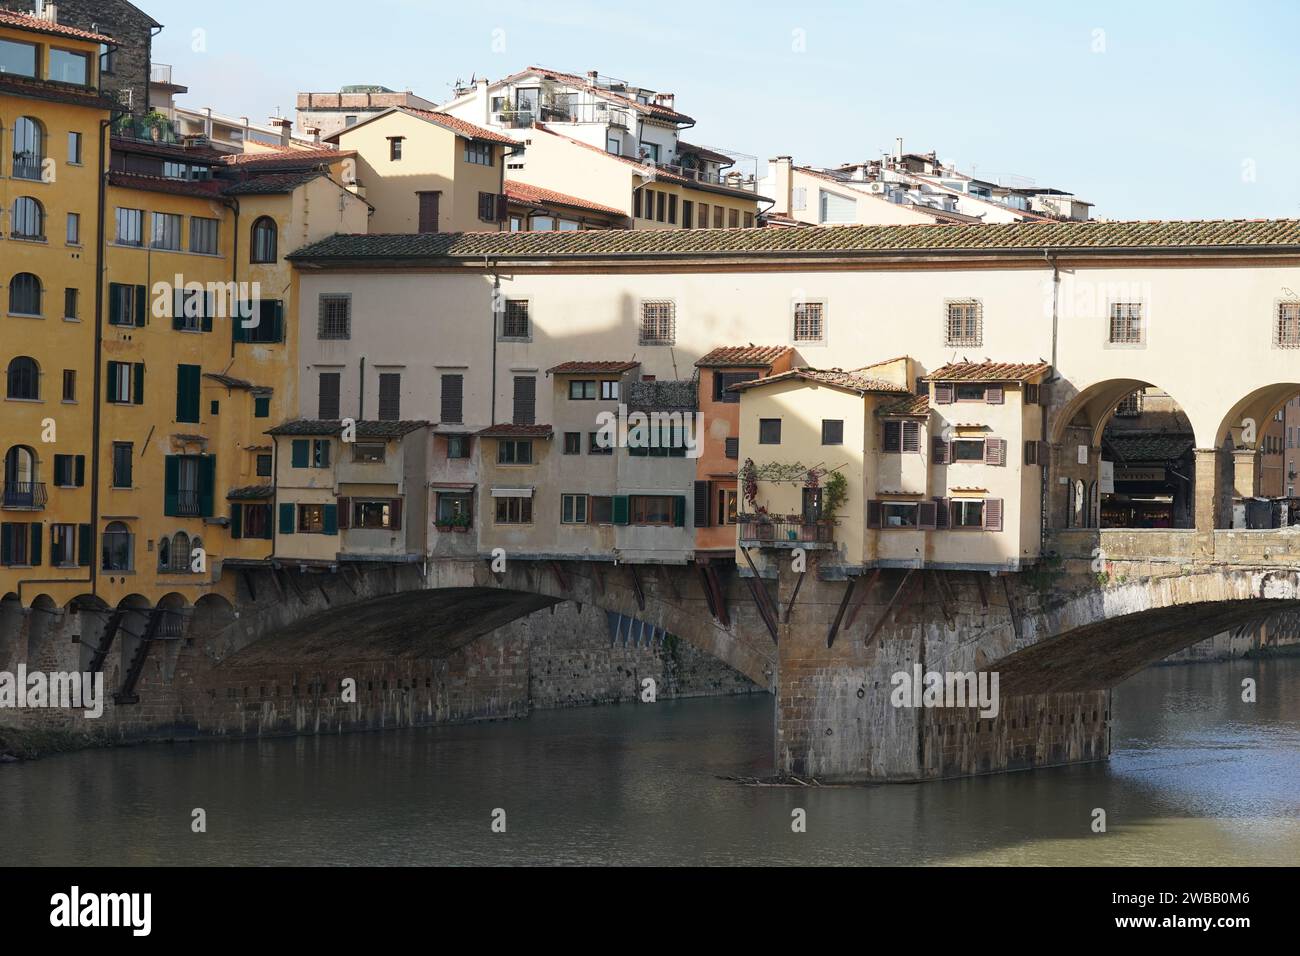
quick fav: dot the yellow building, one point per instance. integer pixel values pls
(425, 171)
(53, 118)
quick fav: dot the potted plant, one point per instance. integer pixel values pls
(460, 523)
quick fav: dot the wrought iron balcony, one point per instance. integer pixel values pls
(24, 495)
(187, 503)
(785, 531)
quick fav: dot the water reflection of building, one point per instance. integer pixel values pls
(1149, 444)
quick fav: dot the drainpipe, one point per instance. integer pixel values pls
(234, 275)
(496, 293)
(361, 396)
(1045, 480)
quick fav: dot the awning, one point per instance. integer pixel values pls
(512, 492)
(452, 485)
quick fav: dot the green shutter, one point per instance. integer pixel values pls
(208, 309)
(679, 511)
(324, 452)
(237, 331)
(331, 519)
(141, 296)
(187, 393)
(620, 509)
(110, 392)
(178, 309)
(286, 518)
(80, 468)
(115, 303)
(138, 395)
(236, 520)
(62, 471)
(301, 452)
(171, 483)
(207, 483)
(279, 322)
(38, 533)
(84, 545)
(261, 406)
(6, 542)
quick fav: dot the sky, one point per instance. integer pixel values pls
(1150, 109)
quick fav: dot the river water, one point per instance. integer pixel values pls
(1196, 777)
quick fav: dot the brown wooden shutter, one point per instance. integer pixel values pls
(345, 513)
(995, 395)
(1031, 453)
(891, 437)
(395, 514)
(1031, 394)
(525, 400)
(926, 515)
(911, 436)
(992, 514)
(873, 514)
(943, 394)
(941, 453)
(702, 510)
(941, 512)
(503, 209)
(995, 451)
(429, 212)
(731, 447)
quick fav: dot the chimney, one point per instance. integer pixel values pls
(592, 75)
(782, 180)
(46, 10)
(898, 149)
(286, 129)
(314, 133)
(207, 122)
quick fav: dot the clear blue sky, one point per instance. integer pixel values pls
(1147, 108)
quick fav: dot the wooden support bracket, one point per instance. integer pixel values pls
(880, 622)
(560, 576)
(636, 586)
(839, 615)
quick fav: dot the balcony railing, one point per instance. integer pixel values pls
(160, 73)
(187, 503)
(24, 495)
(153, 127)
(785, 530)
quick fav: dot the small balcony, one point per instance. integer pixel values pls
(188, 504)
(785, 531)
(24, 495)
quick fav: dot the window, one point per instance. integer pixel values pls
(250, 521)
(972, 393)
(126, 304)
(514, 452)
(899, 436)
(25, 295)
(118, 546)
(808, 322)
(28, 219)
(262, 466)
(74, 229)
(704, 215)
(24, 379)
(769, 431)
(122, 452)
(1126, 323)
(722, 382)
(1130, 406)
(1288, 325)
(833, 431)
(327, 396)
(487, 207)
(525, 404)
(658, 322)
(390, 396)
(480, 154)
(203, 235)
(188, 383)
(130, 227)
(514, 510)
(968, 449)
(69, 67)
(452, 398)
(609, 391)
(659, 205)
(69, 384)
(457, 446)
(672, 210)
(651, 509)
(311, 519)
(63, 545)
(731, 447)
(455, 508)
(334, 317)
(320, 453)
(263, 249)
(394, 149)
(514, 319)
(965, 323)
(29, 148)
(582, 390)
(573, 443)
(74, 148)
(749, 220)
(573, 509)
(688, 214)
(835, 208)
(726, 507)
(596, 444)
(125, 385)
(18, 58)
(368, 452)
(899, 514)
(166, 231)
(375, 514)
(349, 121)
(966, 513)
(541, 224)
(261, 406)
(428, 211)
(668, 441)
(69, 471)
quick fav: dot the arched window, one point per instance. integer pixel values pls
(28, 221)
(24, 378)
(29, 148)
(25, 294)
(20, 490)
(180, 551)
(164, 554)
(119, 543)
(264, 240)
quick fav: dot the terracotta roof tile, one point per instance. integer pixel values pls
(1262, 235)
(251, 493)
(56, 92)
(528, 193)
(592, 367)
(837, 377)
(38, 25)
(365, 429)
(203, 189)
(271, 183)
(459, 126)
(288, 158)
(509, 430)
(909, 406)
(744, 356)
(989, 372)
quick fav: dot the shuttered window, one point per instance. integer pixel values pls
(836, 208)
(187, 392)
(390, 396)
(901, 436)
(525, 400)
(327, 405)
(428, 212)
(453, 388)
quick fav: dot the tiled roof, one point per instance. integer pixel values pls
(365, 429)
(909, 406)
(593, 367)
(744, 356)
(839, 378)
(38, 25)
(508, 430)
(231, 382)
(203, 189)
(528, 193)
(1139, 447)
(1267, 235)
(272, 183)
(251, 492)
(989, 372)
(56, 92)
(190, 154)
(289, 158)
(459, 126)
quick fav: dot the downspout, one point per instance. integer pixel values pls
(234, 275)
(361, 396)
(496, 293)
(1045, 479)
